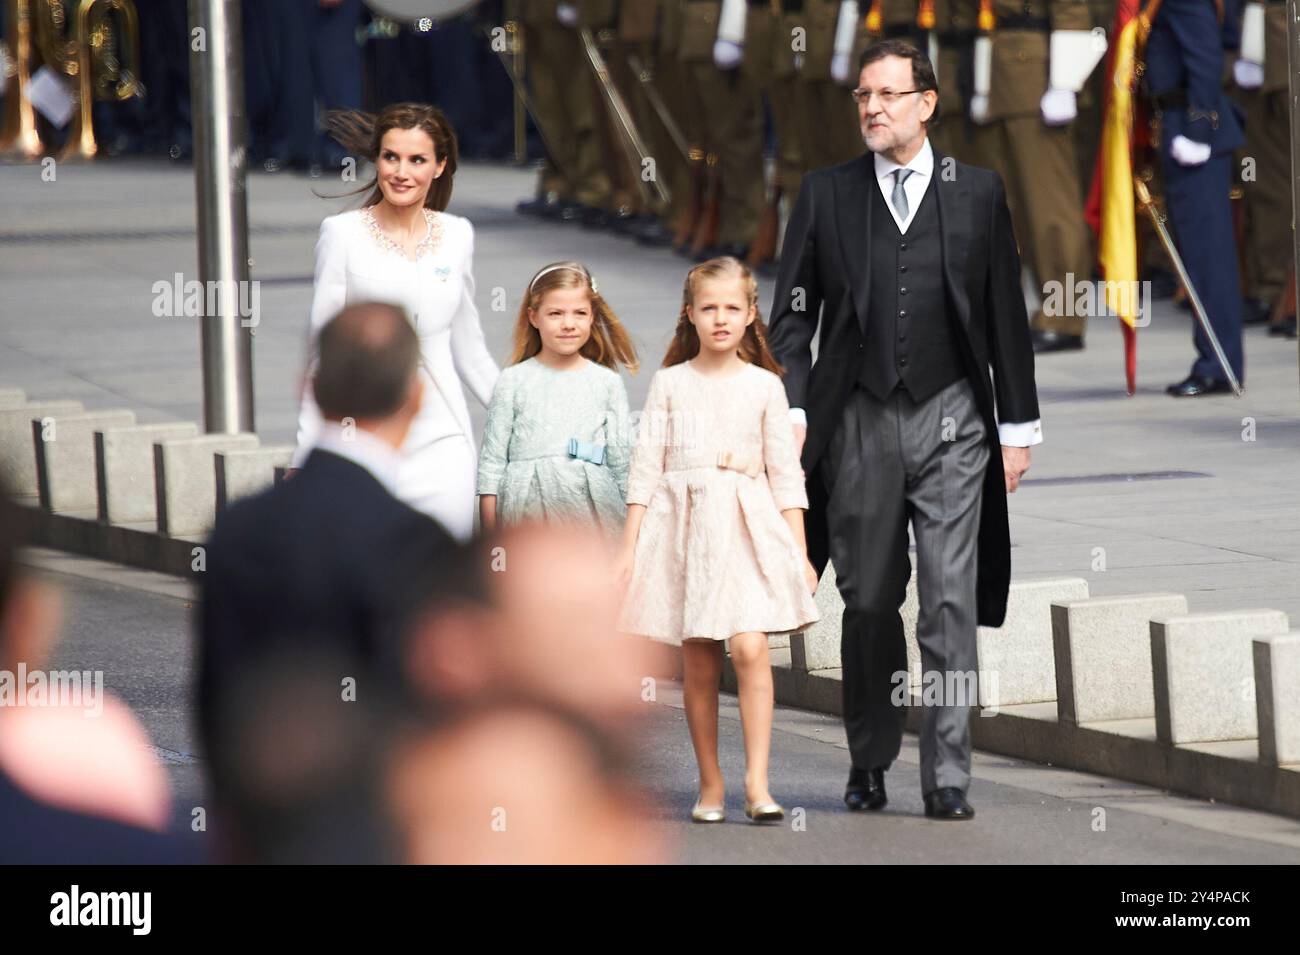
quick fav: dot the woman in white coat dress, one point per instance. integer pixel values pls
(401, 247)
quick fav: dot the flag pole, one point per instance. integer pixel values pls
(1293, 78)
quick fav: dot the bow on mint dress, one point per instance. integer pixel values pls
(715, 465)
(555, 446)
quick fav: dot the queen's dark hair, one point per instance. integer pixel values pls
(363, 134)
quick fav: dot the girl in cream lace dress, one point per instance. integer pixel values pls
(555, 447)
(714, 548)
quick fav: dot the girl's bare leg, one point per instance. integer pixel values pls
(702, 676)
(749, 656)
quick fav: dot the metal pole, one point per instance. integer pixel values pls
(1293, 73)
(217, 105)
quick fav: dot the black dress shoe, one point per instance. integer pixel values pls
(1286, 328)
(595, 218)
(948, 803)
(543, 207)
(569, 211)
(1045, 340)
(655, 234)
(1194, 385)
(735, 250)
(1254, 312)
(866, 790)
(625, 222)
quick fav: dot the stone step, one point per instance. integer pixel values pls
(65, 457)
(1102, 649)
(244, 472)
(1277, 697)
(17, 453)
(185, 474)
(124, 470)
(1203, 673)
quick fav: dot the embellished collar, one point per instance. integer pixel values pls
(432, 234)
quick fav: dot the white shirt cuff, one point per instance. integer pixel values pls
(799, 416)
(1020, 434)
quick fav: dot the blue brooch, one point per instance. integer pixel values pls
(443, 272)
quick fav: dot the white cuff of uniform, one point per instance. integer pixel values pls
(1020, 434)
(799, 416)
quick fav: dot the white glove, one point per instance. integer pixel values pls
(1248, 74)
(726, 54)
(567, 14)
(1059, 107)
(840, 67)
(1188, 152)
(979, 107)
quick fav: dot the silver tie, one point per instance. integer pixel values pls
(899, 197)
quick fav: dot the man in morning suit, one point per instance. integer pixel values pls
(909, 260)
(308, 592)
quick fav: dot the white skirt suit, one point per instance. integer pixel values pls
(355, 262)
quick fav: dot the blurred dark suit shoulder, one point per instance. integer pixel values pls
(327, 565)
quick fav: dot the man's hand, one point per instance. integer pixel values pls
(1015, 462)
(800, 434)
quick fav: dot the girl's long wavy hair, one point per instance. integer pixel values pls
(686, 340)
(363, 134)
(609, 343)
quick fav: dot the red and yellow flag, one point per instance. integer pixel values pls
(1111, 210)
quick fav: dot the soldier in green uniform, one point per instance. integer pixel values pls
(638, 210)
(1266, 172)
(1023, 130)
(827, 81)
(574, 184)
(726, 69)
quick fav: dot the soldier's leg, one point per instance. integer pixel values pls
(1200, 212)
(735, 116)
(1268, 198)
(988, 147)
(594, 186)
(549, 61)
(1047, 165)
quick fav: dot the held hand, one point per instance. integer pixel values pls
(800, 435)
(810, 575)
(1015, 462)
(623, 568)
(290, 472)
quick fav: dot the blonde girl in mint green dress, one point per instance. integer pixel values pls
(556, 445)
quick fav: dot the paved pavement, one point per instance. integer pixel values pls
(135, 626)
(1135, 494)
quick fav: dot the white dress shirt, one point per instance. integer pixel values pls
(362, 448)
(914, 186)
(1018, 434)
